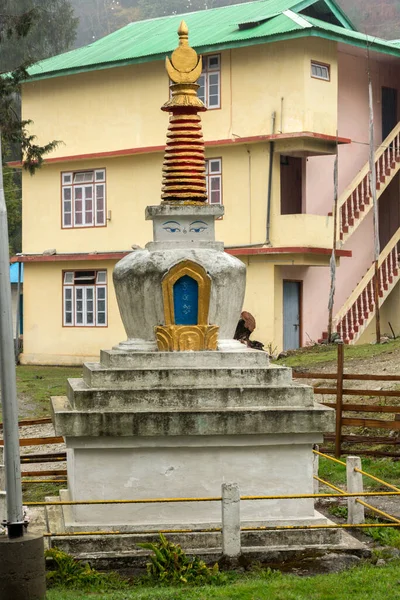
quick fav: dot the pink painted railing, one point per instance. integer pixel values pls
(358, 311)
(356, 200)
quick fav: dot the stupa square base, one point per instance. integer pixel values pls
(122, 468)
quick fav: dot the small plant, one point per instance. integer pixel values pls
(70, 573)
(338, 511)
(169, 564)
(385, 536)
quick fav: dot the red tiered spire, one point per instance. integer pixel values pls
(184, 178)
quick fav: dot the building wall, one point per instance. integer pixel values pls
(119, 108)
(390, 313)
(46, 341)
(353, 116)
(133, 182)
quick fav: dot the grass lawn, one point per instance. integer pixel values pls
(363, 583)
(308, 357)
(35, 385)
(388, 470)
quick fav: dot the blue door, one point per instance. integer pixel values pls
(186, 301)
(291, 315)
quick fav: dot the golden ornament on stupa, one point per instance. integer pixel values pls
(184, 179)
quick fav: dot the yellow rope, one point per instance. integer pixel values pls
(389, 485)
(211, 499)
(218, 530)
(330, 457)
(329, 484)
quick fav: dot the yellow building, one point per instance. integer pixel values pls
(277, 81)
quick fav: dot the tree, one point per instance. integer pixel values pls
(31, 30)
(28, 32)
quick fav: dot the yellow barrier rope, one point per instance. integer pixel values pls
(211, 499)
(218, 530)
(330, 457)
(389, 485)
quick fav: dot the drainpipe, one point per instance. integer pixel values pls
(271, 166)
(18, 315)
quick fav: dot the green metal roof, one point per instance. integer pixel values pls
(210, 30)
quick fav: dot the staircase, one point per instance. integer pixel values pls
(359, 309)
(356, 201)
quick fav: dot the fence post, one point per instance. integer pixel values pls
(230, 520)
(356, 513)
(339, 400)
(316, 469)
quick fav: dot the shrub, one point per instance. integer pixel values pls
(70, 573)
(170, 565)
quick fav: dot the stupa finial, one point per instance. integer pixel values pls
(184, 162)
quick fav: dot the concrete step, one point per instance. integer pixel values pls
(96, 376)
(196, 541)
(169, 421)
(248, 358)
(188, 398)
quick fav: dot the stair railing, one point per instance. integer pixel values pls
(354, 315)
(357, 197)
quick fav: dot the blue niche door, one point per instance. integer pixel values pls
(186, 301)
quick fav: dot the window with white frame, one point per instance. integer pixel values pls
(84, 198)
(320, 71)
(210, 81)
(85, 298)
(214, 180)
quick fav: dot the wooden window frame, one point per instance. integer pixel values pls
(206, 73)
(320, 64)
(210, 176)
(73, 288)
(72, 186)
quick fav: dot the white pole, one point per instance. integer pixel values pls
(8, 384)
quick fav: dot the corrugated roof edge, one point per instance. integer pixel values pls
(374, 44)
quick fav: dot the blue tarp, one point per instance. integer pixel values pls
(14, 273)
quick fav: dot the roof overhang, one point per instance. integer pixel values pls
(305, 143)
(235, 251)
(367, 44)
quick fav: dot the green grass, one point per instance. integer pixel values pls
(314, 355)
(35, 385)
(36, 492)
(363, 583)
(384, 468)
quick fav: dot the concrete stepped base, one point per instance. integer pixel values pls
(246, 358)
(97, 376)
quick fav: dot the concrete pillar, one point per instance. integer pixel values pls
(22, 568)
(356, 513)
(316, 470)
(230, 520)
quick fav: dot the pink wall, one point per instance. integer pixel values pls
(353, 120)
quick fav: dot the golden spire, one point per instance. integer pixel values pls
(184, 69)
(184, 162)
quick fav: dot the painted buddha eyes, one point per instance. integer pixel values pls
(172, 227)
(198, 226)
(194, 227)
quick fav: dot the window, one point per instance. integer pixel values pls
(84, 199)
(320, 71)
(210, 81)
(85, 298)
(214, 180)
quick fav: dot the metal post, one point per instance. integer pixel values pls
(339, 401)
(15, 516)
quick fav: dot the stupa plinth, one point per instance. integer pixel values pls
(179, 407)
